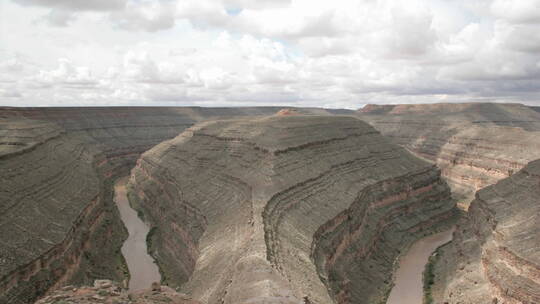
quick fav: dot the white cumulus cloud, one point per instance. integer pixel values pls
(340, 53)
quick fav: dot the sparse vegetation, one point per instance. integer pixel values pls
(103, 293)
(428, 275)
(149, 237)
(429, 279)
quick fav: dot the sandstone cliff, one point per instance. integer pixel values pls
(474, 145)
(495, 255)
(285, 209)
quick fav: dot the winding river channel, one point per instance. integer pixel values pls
(141, 265)
(408, 288)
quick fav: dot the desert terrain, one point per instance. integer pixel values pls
(270, 205)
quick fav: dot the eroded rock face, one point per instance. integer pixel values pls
(285, 209)
(123, 133)
(495, 255)
(58, 223)
(20, 135)
(474, 145)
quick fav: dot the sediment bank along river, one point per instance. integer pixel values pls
(141, 265)
(408, 288)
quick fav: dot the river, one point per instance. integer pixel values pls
(408, 288)
(142, 269)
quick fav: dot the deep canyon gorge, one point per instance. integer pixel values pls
(248, 206)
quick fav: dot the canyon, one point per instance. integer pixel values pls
(474, 144)
(480, 149)
(495, 255)
(58, 221)
(264, 205)
(285, 209)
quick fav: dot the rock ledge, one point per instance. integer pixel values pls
(109, 292)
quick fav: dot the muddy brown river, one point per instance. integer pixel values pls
(141, 265)
(408, 288)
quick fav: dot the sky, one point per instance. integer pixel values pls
(334, 54)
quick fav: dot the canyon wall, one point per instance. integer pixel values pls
(58, 223)
(474, 145)
(495, 255)
(285, 209)
(123, 133)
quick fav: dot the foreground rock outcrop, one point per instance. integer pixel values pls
(474, 145)
(285, 209)
(495, 255)
(58, 222)
(108, 292)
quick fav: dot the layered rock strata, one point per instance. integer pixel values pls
(58, 223)
(495, 255)
(123, 133)
(474, 145)
(285, 209)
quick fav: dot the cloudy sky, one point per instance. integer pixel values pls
(330, 53)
